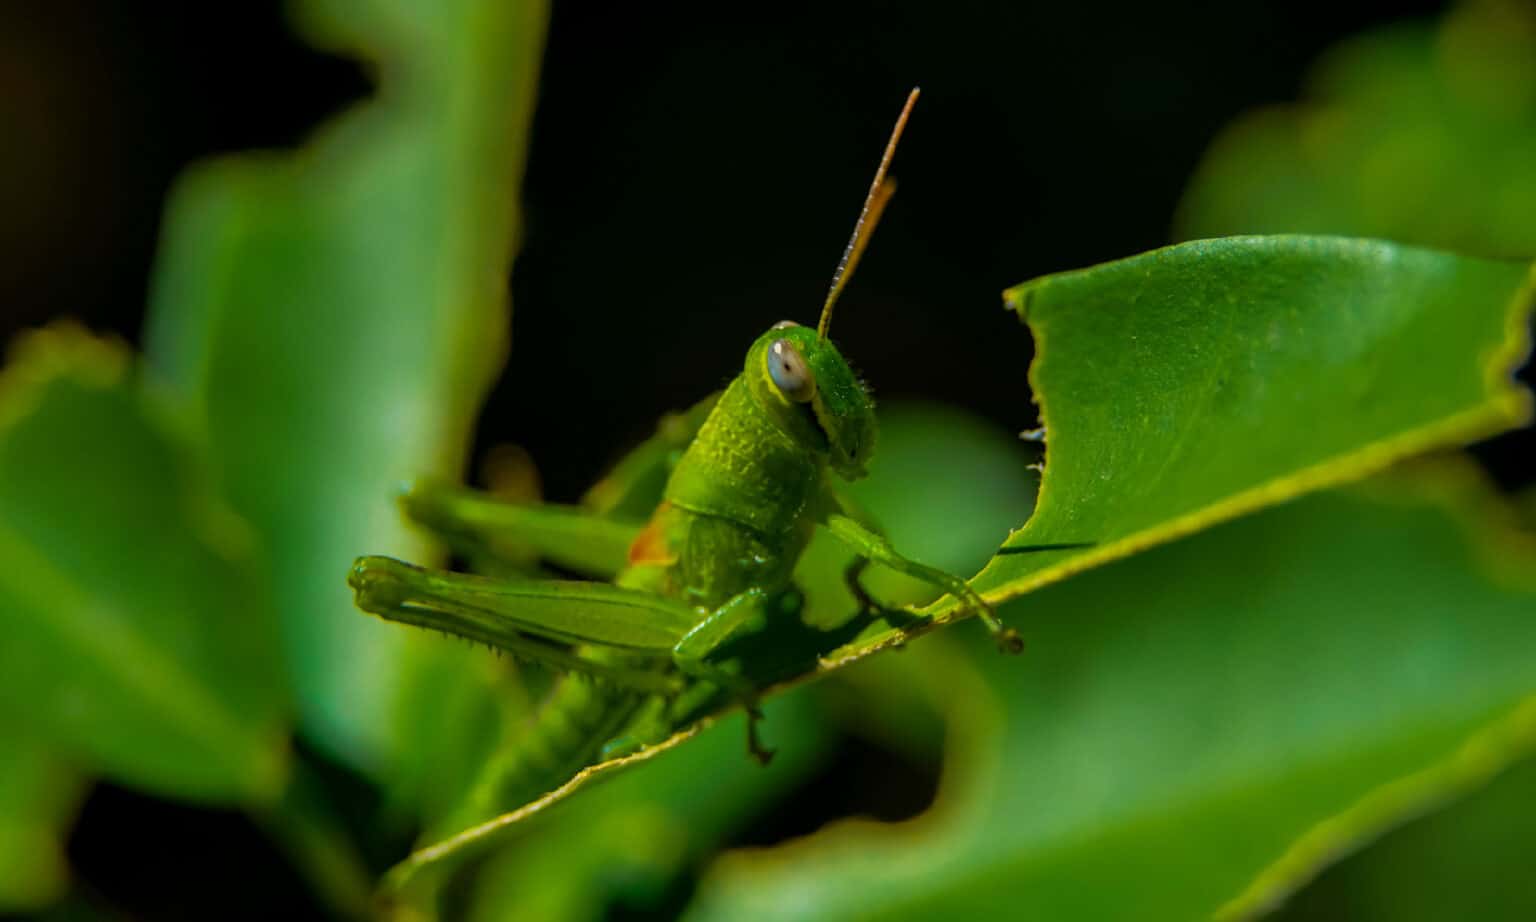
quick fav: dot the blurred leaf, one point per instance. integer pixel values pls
(38, 796)
(1216, 717)
(464, 702)
(1421, 135)
(334, 316)
(1194, 383)
(1472, 861)
(137, 636)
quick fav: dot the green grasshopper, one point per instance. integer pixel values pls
(697, 607)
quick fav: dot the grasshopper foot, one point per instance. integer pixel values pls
(380, 582)
(1008, 639)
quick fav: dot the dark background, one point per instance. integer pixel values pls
(693, 176)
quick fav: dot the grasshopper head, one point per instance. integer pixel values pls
(805, 383)
(800, 377)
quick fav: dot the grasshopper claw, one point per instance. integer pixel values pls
(1008, 639)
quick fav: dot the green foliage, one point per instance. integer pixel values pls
(333, 317)
(169, 538)
(1211, 710)
(1416, 133)
(138, 640)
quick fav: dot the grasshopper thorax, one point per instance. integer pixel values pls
(811, 393)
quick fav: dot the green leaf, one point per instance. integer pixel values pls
(464, 703)
(1201, 727)
(1420, 135)
(38, 794)
(334, 316)
(137, 630)
(1191, 384)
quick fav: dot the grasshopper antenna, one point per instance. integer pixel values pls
(880, 192)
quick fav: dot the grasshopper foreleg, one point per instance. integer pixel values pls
(874, 548)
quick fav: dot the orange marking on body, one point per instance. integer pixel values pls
(650, 546)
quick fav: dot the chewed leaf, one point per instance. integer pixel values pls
(137, 633)
(1191, 384)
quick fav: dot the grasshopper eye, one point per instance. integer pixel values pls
(789, 372)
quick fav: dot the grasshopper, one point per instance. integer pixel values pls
(696, 606)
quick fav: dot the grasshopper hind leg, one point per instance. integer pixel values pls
(556, 623)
